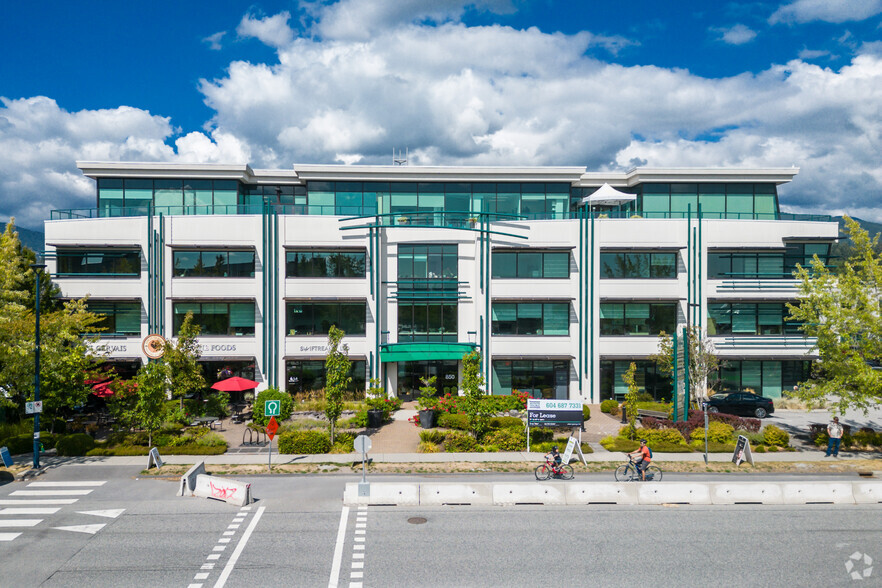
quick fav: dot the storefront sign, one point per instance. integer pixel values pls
(319, 348)
(554, 413)
(205, 348)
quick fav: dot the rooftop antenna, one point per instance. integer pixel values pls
(399, 160)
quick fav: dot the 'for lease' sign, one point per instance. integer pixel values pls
(554, 413)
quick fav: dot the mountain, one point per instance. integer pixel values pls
(30, 239)
(872, 228)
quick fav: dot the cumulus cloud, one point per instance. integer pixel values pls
(837, 11)
(738, 34)
(270, 30)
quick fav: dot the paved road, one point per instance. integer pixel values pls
(116, 529)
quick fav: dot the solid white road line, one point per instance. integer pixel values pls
(28, 511)
(23, 501)
(110, 513)
(8, 536)
(228, 569)
(63, 484)
(338, 548)
(19, 522)
(50, 492)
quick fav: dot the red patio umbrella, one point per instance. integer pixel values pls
(102, 390)
(235, 384)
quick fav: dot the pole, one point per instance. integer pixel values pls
(270, 456)
(704, 406)
(363, 460)
(37, 291)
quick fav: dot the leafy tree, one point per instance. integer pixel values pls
(631, 400)
(473, 402)
(182, 358)
(704, 364)
(842, 312)
(285, 405)
(152, 380)
(337, 366)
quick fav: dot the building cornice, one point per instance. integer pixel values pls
(641, 175)
(419, 173)
(207, 171)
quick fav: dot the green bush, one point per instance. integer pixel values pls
(509, 439)
(272, 394)
(712, 446)
(756, 439)
(506, 422)
(459, 442)
(432, 436)
(305, 442)
(454, 421)
(545, 446)
(428, 447)
(773, 435)
(716, 431)
(344, 443)
(586, 412)
(867, 439)
(124, 450)
(619, 444)
(666, 436)
(541, 435)
(20, 443)
(359, 421)
(610, 407)
(76, 444)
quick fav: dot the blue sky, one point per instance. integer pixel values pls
(607, 85)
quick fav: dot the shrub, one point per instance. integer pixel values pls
(586, 412)
(866, 438)
(541, 435)
(305, 442)
(432, 436)
(20, 443)
(344, 443)
(210, 440)
(428, 447)
(610, 407)
(453, 421)
(619, 444)
(696, 421)
(773, 435)
(717, 432)
(666, 436)
(272, 394)
(506, 422)
(459, 442)
(76, 444)
(712, 446)
(509, 439)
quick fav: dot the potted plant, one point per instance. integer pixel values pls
(428, 402)
(402, 220)
(377, 405)
(473, 220)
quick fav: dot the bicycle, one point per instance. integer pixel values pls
(550, 468)
(628, 472)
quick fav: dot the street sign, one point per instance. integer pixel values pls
(272, 408)
(362, 444)
(272, 427)
(554, 413)
(34, 407)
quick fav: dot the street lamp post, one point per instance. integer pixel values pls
(37, 267)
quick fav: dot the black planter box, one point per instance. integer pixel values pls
(427, 419)
(375, 419)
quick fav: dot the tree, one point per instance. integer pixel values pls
(472, 382)
(337, 366)
(703, 361)
(631, 400)
(841, 311)
(182, 357)
(152, 381)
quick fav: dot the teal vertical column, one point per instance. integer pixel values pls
(487, 300)
(676, 376)
(264, 296)
(686, 374)
(591, 386)
(689, 265)
(700, 308)
(579, 371)
(150, 302)
(160, 259)
(276, 297)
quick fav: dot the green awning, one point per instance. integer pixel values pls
(424, 351)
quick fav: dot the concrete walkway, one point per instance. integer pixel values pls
(398, 436)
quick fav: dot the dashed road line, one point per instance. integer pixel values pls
(51, 492)
(208, 567)
(20, 522)
(356, 572)
(40, 501)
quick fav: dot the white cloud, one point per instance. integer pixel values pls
(837, 11)
(214, 41)
(738, 34)
(271, 30)
(808, 54)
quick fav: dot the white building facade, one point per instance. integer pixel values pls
(419, 265)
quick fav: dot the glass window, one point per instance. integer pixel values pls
(325, 264)
(539, 378)
(638, 265)
(739, 205)
(139, 195)
(99, 262)
(217, 318)
(427, 321)
(647, 377)
(316, 318)
(531, 264)
(110, 196)
(213, 263)
(119, 318)
(637, 318)
(556, 319)
(310, 376)
(169, 196)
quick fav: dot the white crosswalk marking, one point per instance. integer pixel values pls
(110, 513)
(28, 511)
(23, 501)
(20, 522)
(51, 492)
(8, 536)
(90, 529)
(64, 484)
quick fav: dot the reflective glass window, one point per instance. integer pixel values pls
(217, 318)
(98, 262)
(316, 318)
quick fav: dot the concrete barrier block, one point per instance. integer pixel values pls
(806, 492)
(746, 492)
(230, 491)
(601, 493)
(673, 493)
(438, 494)
(188, 480)
(529, 493)
(867, 492)
(383, 494)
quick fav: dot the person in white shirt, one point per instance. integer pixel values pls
(834, 430)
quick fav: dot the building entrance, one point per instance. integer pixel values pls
(410, 373)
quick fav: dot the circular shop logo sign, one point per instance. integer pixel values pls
(153, 346)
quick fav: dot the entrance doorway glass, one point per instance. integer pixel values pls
(410, 372)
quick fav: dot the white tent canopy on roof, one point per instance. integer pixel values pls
(606, 195)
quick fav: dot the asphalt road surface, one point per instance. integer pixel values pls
(107, 526)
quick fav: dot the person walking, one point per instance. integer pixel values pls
(834, 430)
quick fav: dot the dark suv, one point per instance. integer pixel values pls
(741, 403)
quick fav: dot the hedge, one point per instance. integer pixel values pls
(459, 442)
(133, 450)
(509, 439)
(773, 435)
(305, 442)
(454, 421)
(76, 444)
(506, 422)
(696, 421)
(25, 443)
(717, 432)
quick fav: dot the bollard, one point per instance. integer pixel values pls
(624, 414)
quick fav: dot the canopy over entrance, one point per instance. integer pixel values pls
(393, 352)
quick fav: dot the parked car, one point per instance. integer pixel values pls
(742, 404)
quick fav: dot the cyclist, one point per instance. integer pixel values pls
(554, 456)
(641, 458)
